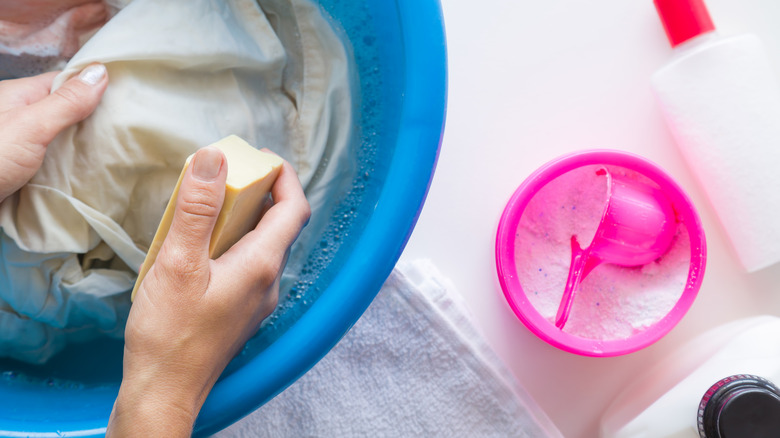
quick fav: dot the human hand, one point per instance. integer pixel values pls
(192, 315)
(31, 118)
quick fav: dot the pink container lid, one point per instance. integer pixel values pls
(507, 268)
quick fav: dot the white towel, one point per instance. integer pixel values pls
(413, 365)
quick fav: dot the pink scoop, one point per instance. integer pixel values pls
(637, 226)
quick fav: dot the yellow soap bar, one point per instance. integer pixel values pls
(251, 173)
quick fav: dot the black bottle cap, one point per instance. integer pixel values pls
(740, 406)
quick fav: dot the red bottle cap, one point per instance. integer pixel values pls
(683, 19)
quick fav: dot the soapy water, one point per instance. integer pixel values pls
(15, 377)
(613, 302)
(32, 65)
(49, 35)
(376, 101)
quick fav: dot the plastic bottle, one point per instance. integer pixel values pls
(720, 382)
(721, 102)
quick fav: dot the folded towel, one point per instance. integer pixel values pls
(413, 365)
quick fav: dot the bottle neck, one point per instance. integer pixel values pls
(697, 41)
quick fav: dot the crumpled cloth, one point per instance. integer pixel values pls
(412, 366)
(183, 74)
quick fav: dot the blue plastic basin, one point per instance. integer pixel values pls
(400, 58)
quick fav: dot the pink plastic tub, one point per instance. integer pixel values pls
(544, 327)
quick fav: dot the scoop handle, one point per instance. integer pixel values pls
(581, 265)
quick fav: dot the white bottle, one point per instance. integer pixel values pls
(721, 101)
(668, 401)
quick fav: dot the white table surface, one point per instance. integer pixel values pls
(532, 80)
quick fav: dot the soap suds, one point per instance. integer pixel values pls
(613, 302)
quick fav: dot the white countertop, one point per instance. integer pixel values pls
(529, 81)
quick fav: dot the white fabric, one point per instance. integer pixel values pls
(412, 366)
(183, 74)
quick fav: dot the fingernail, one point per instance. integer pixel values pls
(207, 163)
(93, 74)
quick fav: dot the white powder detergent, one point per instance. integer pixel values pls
(612, 302)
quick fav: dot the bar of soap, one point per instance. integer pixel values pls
(251, 173)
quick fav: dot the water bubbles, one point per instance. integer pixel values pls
(377, 116)
(49, 382)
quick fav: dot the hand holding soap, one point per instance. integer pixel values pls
(721, 101)
(250, 175)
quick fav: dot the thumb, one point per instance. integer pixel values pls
(200, 198)
(69, 104)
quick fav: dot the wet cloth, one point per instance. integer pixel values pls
(183, 74)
